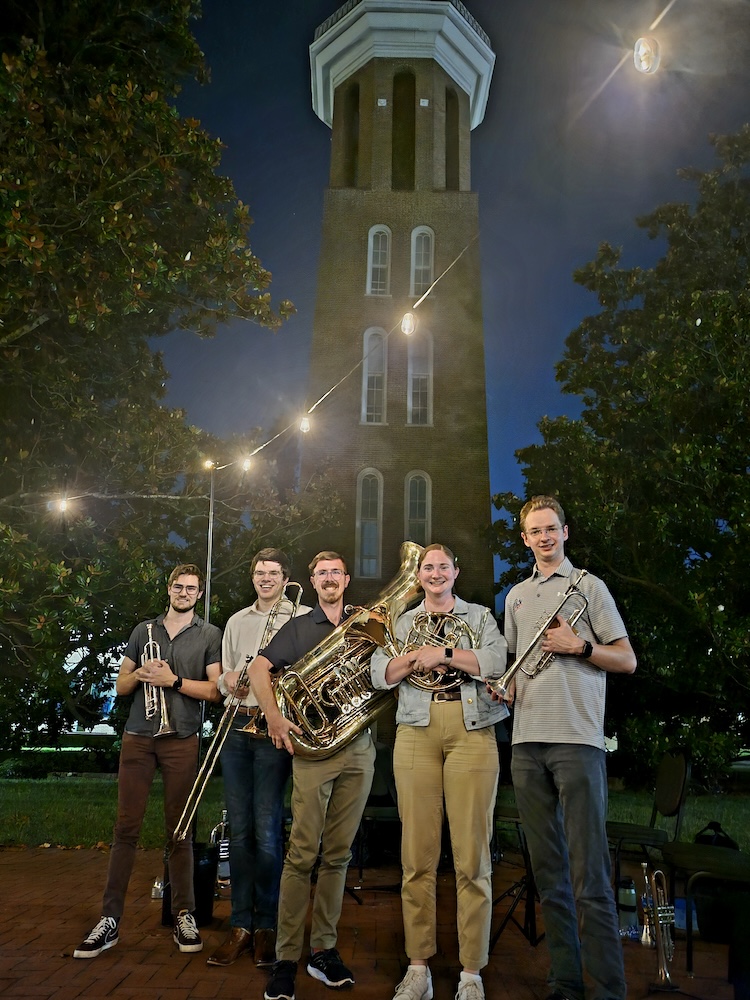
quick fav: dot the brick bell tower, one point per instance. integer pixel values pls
(401, 83)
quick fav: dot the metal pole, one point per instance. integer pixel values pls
(210, 549)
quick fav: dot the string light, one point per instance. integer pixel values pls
(304, 425)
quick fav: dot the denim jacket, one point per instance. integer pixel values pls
(478, 707)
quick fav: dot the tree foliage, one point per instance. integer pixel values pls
(654, 475)
(116, 228)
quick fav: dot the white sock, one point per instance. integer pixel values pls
(469, 977)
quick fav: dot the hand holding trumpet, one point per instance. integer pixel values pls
(158, 673)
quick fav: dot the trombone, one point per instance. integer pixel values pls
(154, 697)
(501, 684)
(225, 722)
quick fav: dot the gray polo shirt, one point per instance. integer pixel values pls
(188, 654)
(565, 702)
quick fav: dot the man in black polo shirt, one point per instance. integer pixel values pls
(328, 799)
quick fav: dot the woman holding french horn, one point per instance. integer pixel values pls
(445, 760)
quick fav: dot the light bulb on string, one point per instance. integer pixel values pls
(304, 425)
(408, 324)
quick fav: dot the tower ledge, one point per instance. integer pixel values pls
(362, 30)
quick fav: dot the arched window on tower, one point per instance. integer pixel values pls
(419, 384)
(379, 261)
(403, 135)
(418, 507)
(369, 527)
(374, 371)
(351, 136)
(422, 255)
(452, 170)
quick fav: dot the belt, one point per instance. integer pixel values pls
(247, 710)
(446, 696)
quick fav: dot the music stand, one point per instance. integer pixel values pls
(522, 891)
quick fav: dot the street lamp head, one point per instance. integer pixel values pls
(209, 464)
(647, 55)
(304, 425)
(408, 324)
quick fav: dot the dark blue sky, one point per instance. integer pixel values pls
(554, 181)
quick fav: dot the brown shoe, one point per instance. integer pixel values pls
(238, 943)
(265, 946)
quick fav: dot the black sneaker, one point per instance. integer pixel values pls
(329, 969)
(281, 984)
(186, 935)
(104, 935)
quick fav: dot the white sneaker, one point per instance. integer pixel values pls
(471, 990)
(416, 984)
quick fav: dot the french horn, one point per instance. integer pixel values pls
(429, 628)
(328, 693)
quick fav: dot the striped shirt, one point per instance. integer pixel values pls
(565, 702)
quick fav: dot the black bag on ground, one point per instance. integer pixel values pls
(713, 914)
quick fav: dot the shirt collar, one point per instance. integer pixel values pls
(565, 569)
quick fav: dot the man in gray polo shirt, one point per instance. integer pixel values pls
(179, 675)
(558, 765)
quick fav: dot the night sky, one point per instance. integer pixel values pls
(556, 172)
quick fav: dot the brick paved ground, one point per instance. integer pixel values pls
(51, 899)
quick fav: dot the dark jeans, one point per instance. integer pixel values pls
(255, 776)
(561, 793)
(139, 758)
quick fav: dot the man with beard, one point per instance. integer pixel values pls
(328, 799)
(186, 672)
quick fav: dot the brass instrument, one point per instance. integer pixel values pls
(440, 629)
(658, 921)
(224, 724)
(500, 685)
(328, 693)
(154, 698)
(257, 727)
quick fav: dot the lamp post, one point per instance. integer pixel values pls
(211, 466)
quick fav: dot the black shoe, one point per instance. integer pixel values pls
(281, 984)
(329, 969)
(186, 935)
(104, 935)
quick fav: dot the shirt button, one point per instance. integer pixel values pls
(470, 701)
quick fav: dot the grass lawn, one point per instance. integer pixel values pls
(80, 812)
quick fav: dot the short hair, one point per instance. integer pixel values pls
(438, 547)
(187, 569)
(272, 555)
(328, 555)
(541, 502)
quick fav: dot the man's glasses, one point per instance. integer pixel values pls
(553, 529)
(273, 574)
(190, 590)
(320, 574)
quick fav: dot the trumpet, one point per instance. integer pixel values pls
(154, 697)
(500, 685)
(658, 921)
(225, 722)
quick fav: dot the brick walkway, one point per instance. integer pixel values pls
(51, 899)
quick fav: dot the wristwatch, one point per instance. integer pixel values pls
(448, 653)
(177, 684)
(588, 649)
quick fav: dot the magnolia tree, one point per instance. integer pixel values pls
(116, 228)
(654, 475)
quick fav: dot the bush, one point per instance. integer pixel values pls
(40, 763)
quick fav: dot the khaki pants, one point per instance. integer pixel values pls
(328, 799)
(442, 762)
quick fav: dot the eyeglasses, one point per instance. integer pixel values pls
(190, 590)
(319, 574)
(553, 529)
(273, 574)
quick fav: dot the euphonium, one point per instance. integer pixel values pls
(225, 722)
(328, 692)
(658, 921)
(501, 685)
(440, 629)
(154, 698)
